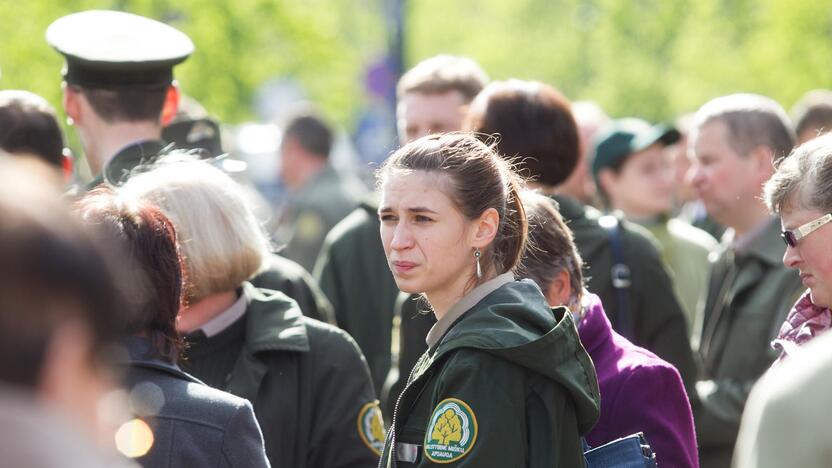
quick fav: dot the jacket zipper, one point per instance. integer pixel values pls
(392, 433)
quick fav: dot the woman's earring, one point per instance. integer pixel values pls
(477, 255)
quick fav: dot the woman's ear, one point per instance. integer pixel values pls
(559, 290)
(485, 228)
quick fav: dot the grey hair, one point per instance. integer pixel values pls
(550, 248)
(752, 120)
(803, 179)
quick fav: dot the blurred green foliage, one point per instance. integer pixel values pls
(324, 45)
(653, 58)
(650, 58)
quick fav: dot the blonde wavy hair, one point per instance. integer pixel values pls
(221, 241)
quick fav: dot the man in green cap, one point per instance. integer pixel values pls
(635, 177)
(118, 86)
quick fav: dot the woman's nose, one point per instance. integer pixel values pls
(402, 238)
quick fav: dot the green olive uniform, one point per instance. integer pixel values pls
(685, 251)
(353, 273)
(508, 385)
(750, 293)
(313, 211)
(309, 385)
(118, 169)
(292, 280)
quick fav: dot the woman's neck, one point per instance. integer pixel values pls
(443, 300)
(198, 314)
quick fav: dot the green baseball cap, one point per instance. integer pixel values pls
(623, 137)
(114, 49)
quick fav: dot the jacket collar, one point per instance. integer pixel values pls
(118, 169)
(468, 301)
(766, 245)
(273, 324)
(569, 208)
(139, 353)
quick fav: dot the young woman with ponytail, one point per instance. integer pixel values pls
(505, 381)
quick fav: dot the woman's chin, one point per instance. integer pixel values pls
(407, 285)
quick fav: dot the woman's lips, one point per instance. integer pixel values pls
(403, 267)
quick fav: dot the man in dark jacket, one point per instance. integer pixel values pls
(735, 141)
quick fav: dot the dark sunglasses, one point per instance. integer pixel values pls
(791, 237)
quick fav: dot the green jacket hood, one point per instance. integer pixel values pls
(516, 324)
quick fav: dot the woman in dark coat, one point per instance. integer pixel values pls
(191, 424)
(307, 380)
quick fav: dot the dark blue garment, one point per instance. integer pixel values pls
(632, 451)
(193, 424)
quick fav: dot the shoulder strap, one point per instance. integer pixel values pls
(620, 275)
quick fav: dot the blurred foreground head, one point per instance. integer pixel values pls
(59, 304)
(29, 127)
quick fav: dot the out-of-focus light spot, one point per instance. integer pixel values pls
(113, 408)
(255, 138)
(134, 438)
(146, 399)
(234, 165)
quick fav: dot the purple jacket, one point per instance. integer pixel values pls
(639, 393)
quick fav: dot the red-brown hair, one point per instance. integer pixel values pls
(148, 239)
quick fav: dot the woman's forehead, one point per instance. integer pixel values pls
(415, 186)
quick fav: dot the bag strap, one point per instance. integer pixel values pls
(620, 275)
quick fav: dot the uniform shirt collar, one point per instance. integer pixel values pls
(469, 300)
(224, 320)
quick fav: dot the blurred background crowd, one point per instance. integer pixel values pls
(235, 165)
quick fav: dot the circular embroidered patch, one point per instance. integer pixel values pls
(451, 433)
(371, 427)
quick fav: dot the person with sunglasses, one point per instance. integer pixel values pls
(800, 191)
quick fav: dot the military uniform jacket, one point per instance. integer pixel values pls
(352, 271)
(309, 385)
(315, 209)
(118, 168)
(291, 279)
(193, 424)
(749, 296)
(508, 385)
(658, 321)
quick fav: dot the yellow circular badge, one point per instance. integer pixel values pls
(371, 427)
(451, 433)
